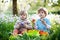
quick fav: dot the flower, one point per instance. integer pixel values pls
(33, 33)
(33, 20)
(41, 32)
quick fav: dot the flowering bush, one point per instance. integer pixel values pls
(7, 24)
(43, 33)
(37, 33)
(33, 33)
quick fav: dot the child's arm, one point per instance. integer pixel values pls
(28, 25)
(46, 23)
(36, 25)
(17, 25)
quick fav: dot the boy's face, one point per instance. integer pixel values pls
(23, 16)
(41, 14)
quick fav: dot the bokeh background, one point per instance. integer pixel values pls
(9, 10)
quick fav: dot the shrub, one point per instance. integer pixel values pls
(6, 26)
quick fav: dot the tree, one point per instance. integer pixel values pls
(59, 2)
(15, 12)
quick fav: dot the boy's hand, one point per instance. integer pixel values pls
(42, 20)
(26, 25)
(47, 26)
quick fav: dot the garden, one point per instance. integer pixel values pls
(8, 18)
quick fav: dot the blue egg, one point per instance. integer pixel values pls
(22, 23)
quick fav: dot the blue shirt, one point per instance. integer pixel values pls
(41, 26)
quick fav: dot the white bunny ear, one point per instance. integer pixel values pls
(27, 7)
(21, 6)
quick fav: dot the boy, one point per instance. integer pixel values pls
(22, 25)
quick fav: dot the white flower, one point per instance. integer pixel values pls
(34, 16)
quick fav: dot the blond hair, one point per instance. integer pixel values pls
(23, 12)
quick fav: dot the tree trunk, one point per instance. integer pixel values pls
(15, 12)
(46, 3)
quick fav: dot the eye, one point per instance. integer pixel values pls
(42, 12)
(23, 15)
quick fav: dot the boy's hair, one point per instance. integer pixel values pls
(43, 9)
(23, 12)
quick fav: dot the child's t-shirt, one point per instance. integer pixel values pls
(40, 26)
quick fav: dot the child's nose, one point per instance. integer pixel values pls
(22, 16)
(40, 15)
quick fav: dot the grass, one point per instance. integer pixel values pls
(7, 26)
